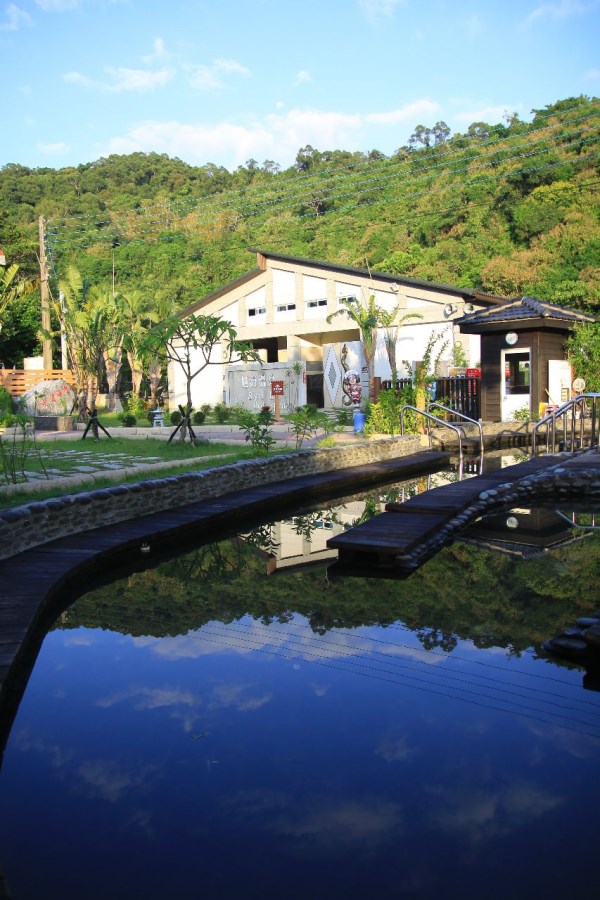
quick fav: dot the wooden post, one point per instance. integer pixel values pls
(45, 296)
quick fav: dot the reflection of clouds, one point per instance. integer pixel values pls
(338, 826)
(256, 802)
(106, 780)
(140, 820)
(59, 756)
(481, 815)
(362, 823)
(293, 642)
(74, 639)
(151, 698)
(581, 746)
(237, 695)
(394, 750)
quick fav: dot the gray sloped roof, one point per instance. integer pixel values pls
(467, 293)
(522, 309)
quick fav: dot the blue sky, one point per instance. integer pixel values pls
(224, 81)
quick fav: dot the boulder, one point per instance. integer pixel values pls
(48, 398)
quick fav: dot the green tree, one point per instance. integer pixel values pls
(180, 339)
(11, 287)
(86, 317)
(583, 350)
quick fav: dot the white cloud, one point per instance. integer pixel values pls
(565, 9)
(123, 79)
(57, 5)
(408, 113)
(15, 18)
(53, 149)
(159, 52)
(303, 77)
(374, 9)
(209, 78)
(279, 137)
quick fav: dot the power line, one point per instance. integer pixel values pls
(156, 214)
(141, 233)
(352, 168)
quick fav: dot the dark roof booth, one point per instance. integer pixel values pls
(523, 356)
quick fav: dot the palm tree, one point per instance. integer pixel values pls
(138, 312)
(11, 288)
(369, 317)
(87, 319)
(391, 323)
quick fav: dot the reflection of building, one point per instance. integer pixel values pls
(281, 308)
(522, 532)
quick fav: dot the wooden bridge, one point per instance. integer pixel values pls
(399, 540)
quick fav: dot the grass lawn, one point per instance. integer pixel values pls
(69, 457)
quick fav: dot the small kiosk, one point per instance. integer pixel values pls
(523, 357)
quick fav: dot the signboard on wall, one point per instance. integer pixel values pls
(252, 387)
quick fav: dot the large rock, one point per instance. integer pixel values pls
(48, 398)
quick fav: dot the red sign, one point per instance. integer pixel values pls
(277, 389)
(473, 373)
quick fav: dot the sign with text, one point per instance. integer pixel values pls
(277, 389)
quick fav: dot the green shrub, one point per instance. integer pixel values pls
(222, 413)
(343, 418)
(256, 431)
(176, 417)
(6, 402)
(128, 420)
(206, 408)
(199, 417)
(383, 417)
(135, 406)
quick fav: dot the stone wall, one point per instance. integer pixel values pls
(41, 521)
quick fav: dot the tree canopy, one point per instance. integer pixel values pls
(510, 209)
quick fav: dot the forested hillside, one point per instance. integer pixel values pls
(510, 209)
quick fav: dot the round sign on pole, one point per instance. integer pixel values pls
(579, 385)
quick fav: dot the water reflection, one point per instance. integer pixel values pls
(204, 726)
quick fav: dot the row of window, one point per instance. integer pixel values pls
(289, 307)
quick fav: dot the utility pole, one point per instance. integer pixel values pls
(45, 293)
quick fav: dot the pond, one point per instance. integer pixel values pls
(234, 722)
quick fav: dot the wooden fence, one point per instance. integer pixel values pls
(17, 381)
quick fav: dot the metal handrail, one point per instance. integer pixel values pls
(432, 418)
(572, 520)
(460, 415)
(565, 412)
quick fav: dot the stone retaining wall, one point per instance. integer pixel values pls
(39, 522)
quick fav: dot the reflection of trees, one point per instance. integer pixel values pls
(262, 538)
(463, 592)
(306, 525)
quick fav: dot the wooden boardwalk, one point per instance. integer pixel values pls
(38, 584)
(400, 539)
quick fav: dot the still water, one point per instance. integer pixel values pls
(234, 723)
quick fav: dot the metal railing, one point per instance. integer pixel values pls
(461, 416)
(431, 418)
(570, 427)
(571, 518)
